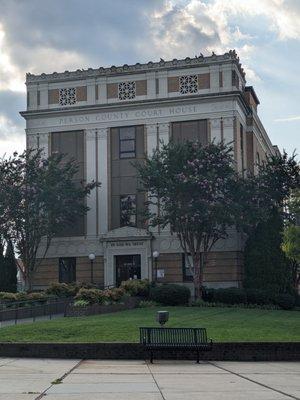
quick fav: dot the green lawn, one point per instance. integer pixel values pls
(223, 324)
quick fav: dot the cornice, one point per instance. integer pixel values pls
(162, 65)
(57, 112)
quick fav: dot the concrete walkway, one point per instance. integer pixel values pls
(34, 379)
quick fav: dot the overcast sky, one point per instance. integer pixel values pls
(56, 35)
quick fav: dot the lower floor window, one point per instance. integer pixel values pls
(67, 269)
(187, 273)
(128, 210)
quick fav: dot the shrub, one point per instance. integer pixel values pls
(8, 296)
(137, 287)
(170, 294)
(91, 296)
(208, 294)
(81, 303)
(62, 289)
(231, 296)
(285, 301)
(256, 296)
(114, 294)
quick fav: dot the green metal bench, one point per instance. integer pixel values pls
(172, 339)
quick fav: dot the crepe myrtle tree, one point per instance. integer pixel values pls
(191, 187)
(196, 191)
(38, 198)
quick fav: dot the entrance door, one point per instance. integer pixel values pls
(128, 267)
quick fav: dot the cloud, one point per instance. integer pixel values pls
(288, 119)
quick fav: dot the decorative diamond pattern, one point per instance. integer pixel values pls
(188, 84)
(67, 96)
(126, 90)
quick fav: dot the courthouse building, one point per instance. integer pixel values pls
(106, 119)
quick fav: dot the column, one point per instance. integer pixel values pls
(103, 179)
(91, 217)
(163, 84)
(44, 95)
(227, 77)
(152, 133)
(90, 86)
(151, 85)
(164, 133)
(214, 78)
(31, 141)
(216, 135)
(32, 97)
(228, 127)
(102, 93)
(43, 143)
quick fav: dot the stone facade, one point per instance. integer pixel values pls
(124, 113)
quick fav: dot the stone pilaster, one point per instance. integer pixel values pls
(91, 217)
(164, 133)
(102, 156)
(44, 95)
(215, 130)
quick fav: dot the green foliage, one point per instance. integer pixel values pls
(291, 242)
(81, 303)
(266, 266)
(96, 296)
(285, 301)
(8, 268)
(62, 289)
(256, 296)
(231, 296)
(137, 287)
(38, 198)
(170, 294)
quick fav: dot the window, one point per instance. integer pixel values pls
(187, 274)
(128, 210)
(127, 141)
(67, 270)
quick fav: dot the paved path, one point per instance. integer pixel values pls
(35, 379)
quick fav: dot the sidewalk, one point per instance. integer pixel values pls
(34, 379)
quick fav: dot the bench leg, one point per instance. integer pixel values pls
(198, 357)
(151, 357)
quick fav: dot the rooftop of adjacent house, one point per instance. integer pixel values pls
(198, 60)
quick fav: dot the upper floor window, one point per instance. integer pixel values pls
(126, 90)
(188, 84)
(127, 141)
(128, 210)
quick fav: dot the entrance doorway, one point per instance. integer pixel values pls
(128, 267)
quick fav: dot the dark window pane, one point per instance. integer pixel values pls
(67, 270)
(127, 146)
(127, 133)
(128, 210)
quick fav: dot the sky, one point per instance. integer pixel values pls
(56, 35)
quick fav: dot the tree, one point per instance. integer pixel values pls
(195, 190)
(291, 234)
(8, 269)
(38, 197)
(265, 265)
(191, 187)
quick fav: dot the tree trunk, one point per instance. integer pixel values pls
(198, 275)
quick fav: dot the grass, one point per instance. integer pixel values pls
(222, 324)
